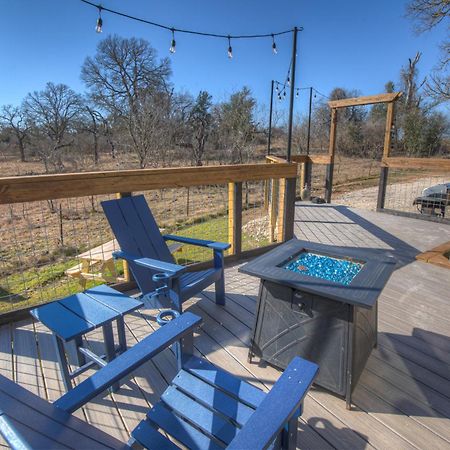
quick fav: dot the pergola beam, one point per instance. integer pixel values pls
(366, 100)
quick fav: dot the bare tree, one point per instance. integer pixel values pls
(126, 79)
(53, 113)
(13, 117)
(427, 14)
(93, 125)
(409, 75)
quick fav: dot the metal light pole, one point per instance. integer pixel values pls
(308, 164)
(270, 119)
(291, 99)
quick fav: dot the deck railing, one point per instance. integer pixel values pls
(48, 221)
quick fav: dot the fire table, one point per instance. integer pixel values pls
(319, 302)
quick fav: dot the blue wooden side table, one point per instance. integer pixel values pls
(72, 317)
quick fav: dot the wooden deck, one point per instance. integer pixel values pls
(403, 397)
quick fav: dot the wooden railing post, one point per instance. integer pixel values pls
(127, 275)
(235, 217)
(266, 194)
(286, 209)
(302, 177)
(384, 171)
(273, 203)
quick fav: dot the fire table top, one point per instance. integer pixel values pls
(345, 274)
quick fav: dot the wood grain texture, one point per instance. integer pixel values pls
(438, 164)
(46, 187)
(365, 100)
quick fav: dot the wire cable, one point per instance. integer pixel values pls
(186, 31)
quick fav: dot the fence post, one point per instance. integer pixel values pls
(127, 275)
(302, 177)
(266, 194)
(382, 187)
(286, 209)
(331, 152)
(384, 170)
(235, 217)
(273, 203)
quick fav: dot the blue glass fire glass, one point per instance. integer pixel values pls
(340, 271)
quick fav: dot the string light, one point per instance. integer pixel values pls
(230, 50)
(173, 44)
(288, 81)
(98, 27)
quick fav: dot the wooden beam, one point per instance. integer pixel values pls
(320, 159)
(274, 190)
(127, 275)
(333, 128)
(235, 217)
(315, 159)
(46, 187)
(286, 209)
(436, 164)
(367, 100)
(388, 130)
(299, 158)
(275, 159)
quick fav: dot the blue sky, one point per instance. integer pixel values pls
(357, 44)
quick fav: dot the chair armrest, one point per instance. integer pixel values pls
(149, 263)
(221, 246)
(128, 361)
(279, 405)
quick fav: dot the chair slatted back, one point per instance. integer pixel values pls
(137, 233)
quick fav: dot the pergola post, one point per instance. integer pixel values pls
(386, 149)
(331, 152)
(390, 99)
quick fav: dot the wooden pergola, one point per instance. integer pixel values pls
(390, 99)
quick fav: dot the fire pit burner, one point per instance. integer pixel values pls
(339, 270)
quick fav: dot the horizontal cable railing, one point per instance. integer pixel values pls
(55, 239)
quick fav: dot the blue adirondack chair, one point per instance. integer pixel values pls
(145, 249)
(203, 408)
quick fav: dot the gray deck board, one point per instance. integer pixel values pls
(403, 397)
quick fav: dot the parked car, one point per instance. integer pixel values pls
(434, 200)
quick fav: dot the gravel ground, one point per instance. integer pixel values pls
(399, 196)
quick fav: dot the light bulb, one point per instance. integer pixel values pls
(296, 94)
(230, 50)
(288, 81)
(274, 46)
(173, 43)
(98, 27)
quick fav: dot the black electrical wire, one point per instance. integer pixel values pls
(181, 30)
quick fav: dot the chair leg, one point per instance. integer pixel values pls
(289, 435)
(220, 283)
(220, 290)
(62, 362)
